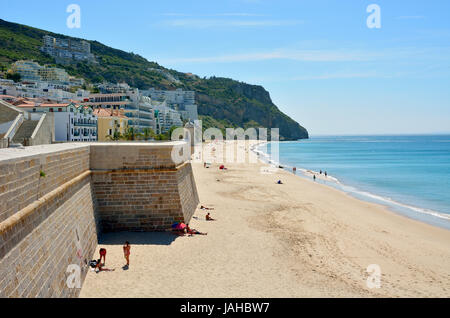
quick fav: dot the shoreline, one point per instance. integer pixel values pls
(425, 215)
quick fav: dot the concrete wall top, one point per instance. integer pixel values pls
(101, 148)
(12, 154)
(125, 155)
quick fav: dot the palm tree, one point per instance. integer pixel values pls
(116, 136)
(148, 133)
(131, 134)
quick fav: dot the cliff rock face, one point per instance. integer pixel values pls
(251, 107)
(224, 102)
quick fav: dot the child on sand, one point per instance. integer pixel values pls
(126, 253)
(103, 255)
(209, 218)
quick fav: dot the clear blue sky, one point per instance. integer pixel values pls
(318, 59)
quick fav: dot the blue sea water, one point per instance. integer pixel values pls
(410, 174)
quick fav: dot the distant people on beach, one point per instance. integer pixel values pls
(103, 255)
(326, 174)
(294, 170)
(320, 172)
(279, 182)
(222, 167)
(205, 208)
(314, 177)
(209, 218)
(126, 253)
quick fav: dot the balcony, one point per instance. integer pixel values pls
(85, 124)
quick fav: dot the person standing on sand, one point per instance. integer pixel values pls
(126, 252)
(326, 174)
(103, 255)
(314, 177)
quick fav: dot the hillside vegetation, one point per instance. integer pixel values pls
(221, 100)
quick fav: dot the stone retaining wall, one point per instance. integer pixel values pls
(50, 222)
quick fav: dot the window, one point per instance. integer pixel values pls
(60, 110)
(51, 110)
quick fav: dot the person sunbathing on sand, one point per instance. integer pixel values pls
(179, 232)
(100, 267)
(209, 218)
(205, 208)
(193, 231)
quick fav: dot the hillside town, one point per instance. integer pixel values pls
(77, 111)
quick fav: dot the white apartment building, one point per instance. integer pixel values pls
(179, 100)
(166, 118)
(8, 87)
(58, 93)
(66, 49)
(73, 122)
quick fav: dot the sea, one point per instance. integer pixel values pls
(408, 174)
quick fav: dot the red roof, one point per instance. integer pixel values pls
(101, 112)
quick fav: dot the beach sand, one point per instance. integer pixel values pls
(298, 239)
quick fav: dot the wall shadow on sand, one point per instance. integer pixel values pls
(137, 238)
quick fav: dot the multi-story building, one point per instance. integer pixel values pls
(109, 122)
(137, 108)
(65, 50)
(146, 114)
(33, 72)
(108, 88)
(179, 100)
(44, 90)
(73, 122)
(28, 70)
(166, 118)
(53, 75)
(7, 87)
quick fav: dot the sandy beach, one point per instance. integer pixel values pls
(298, 239)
